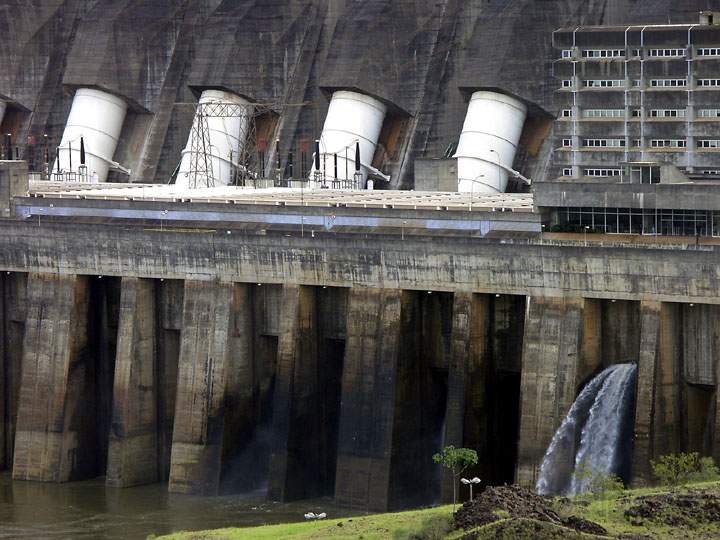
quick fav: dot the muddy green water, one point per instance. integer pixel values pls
(90, 510)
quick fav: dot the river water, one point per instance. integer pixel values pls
(88, 509)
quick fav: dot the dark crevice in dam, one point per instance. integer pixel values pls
(420, 398)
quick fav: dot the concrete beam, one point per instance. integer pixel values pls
(295, 454)
(53, 425)
(133, 446)
(455, 264)
(195, 462)
(553, 350)
(367, 413)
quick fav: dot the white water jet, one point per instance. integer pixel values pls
(594, 434)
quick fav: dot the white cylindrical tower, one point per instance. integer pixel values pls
(97, 117)
(490, 135)
(352, 117)
(227, 136)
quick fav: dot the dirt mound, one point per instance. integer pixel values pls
(525, 529)
(496, 503)
(584, 525)
(688, 509)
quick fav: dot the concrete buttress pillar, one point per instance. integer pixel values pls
(296, 431)
(658, 423)
(133, 447)
(367, 410)
(554, 353)
(195, 460)
(466, 408)
(53, 421)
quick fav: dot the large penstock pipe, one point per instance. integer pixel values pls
(97, 117)
(227, 140)
(352, 118)
(489, 137)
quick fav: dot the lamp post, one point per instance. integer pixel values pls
(469, 482)
(586, 231)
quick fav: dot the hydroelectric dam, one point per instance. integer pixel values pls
(291, 246)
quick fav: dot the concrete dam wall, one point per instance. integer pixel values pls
(324, 344)
(290, 55)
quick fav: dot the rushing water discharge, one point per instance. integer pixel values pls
(88, 509)
(596, 434)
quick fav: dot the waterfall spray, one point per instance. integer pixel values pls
(596, 433)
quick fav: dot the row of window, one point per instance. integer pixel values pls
(654, 83)
(636, 113)
(644, 221)
(654, 143)
(674, 52)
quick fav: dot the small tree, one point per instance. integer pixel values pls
(457, 460)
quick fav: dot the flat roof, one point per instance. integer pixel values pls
(416, 200)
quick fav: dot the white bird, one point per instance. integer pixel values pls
(310, 515)
(322, 516)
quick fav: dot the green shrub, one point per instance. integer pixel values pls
(708, 471)
(600, 485)
(679, 469)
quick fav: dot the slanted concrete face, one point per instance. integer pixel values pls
(54, 425)
(133, 446)
(13, 183)
(296, 427)
(466, 410)
(202, 371)
(367, 415)
(553, 351)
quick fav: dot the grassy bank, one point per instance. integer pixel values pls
(659, 516)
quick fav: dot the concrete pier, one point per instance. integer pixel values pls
(556, 346)
(133, 444)
(202, 373)
(365, 437)
(55, 421)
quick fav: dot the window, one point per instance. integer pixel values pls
(637, 143)
(566, 113)
(667, 113)
(567, 83)
(604, 113)
(665, 53)
(708, 82)
(603, 53)
(567, 53)
(604, 83)
(567, 142)
(601, 143)
(635, 53)
(705, 51)
(667, 83)
(708, 143)
(636, 83)
(709, 113)
(636, 113)
(567, 172)
(667, 143)
(711, 171)
(602, 172)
